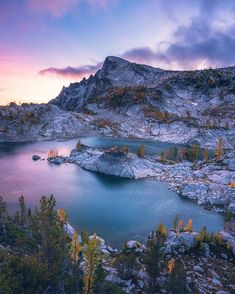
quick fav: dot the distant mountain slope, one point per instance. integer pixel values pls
(126, 99)
(115, 72)
(178, 106)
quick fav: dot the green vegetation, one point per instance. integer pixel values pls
(38, 256)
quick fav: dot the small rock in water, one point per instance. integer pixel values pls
(36, 157)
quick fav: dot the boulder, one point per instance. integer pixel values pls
(187, 240)
(198, 269)
(36, 157)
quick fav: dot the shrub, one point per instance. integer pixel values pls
(141, 151)
(52, 153)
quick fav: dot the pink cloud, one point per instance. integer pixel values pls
(72, 72)
(58, 8)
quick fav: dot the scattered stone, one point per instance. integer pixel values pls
(198, 269)
(36, 157)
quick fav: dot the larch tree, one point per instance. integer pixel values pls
(92, 257)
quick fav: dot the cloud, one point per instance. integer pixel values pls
(72, 72)
(207, 40)
(58, 8)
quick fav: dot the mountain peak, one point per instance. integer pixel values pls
(115, 59)
(113, 63)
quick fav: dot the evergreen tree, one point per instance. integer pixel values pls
(177, 278)
(75, 247)
(92, 257)
(23, 211)
(152, 259)
(3, 218)
(54, 250)
(85, 237)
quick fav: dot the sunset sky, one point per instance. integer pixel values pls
(45, 44)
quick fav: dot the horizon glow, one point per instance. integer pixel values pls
(46, 44)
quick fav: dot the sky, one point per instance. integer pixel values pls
(45, 44)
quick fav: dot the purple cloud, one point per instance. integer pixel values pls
(208, 40)
(70, 71)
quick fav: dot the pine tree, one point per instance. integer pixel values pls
(152, 259)
(3, 210)
(23, 211)
(92, 257)
(85, 237)
(54, 250)
(188, 226)
(62, 216)
(75, 247)
(162, 230)
(177, 278)
(3, 217)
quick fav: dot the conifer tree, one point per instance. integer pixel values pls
(152, 259)
(23, 211)
(3, 217)
(54, 249)
(177, 278)
(3, 210)
(85, 237)
(92, 257)
(75, 247)
(188, 226)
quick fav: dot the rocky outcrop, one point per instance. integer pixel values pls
(40, 122)
(208, 183)
(136, 100)
(125, 99)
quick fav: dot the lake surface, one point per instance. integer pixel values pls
(116, 209)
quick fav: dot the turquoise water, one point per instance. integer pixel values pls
(116, 209)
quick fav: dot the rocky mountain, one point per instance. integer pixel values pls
(39, 122)
(143, 101)
(126, 99)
